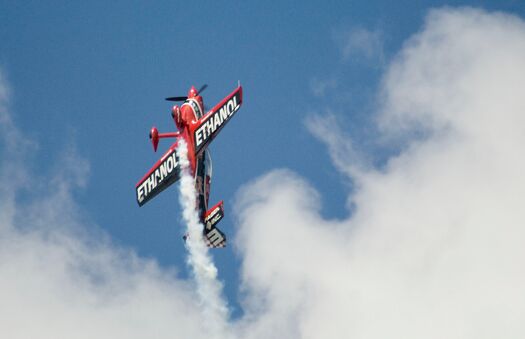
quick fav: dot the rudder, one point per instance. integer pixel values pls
(212, 235)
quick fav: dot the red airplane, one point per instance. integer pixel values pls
(198, 130)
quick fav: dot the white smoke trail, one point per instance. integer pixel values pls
(205, 273)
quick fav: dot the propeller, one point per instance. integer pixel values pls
(203, 87)
(176, 98)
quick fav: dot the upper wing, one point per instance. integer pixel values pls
(165, 172)
(207, 128)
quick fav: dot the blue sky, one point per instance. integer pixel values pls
(93, 75)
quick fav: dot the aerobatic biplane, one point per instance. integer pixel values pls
(198, 130)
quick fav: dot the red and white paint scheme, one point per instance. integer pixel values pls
(198, 130)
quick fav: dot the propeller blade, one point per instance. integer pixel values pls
(202, 88)
(176, 98)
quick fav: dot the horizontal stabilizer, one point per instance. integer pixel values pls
(212, 236)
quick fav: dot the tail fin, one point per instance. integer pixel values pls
(212, 235)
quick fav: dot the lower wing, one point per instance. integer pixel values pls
(165, 172)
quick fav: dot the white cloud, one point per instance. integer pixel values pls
(320, 87)
(327, 129)
(361, 43)
(434, 248)
(62, 279)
